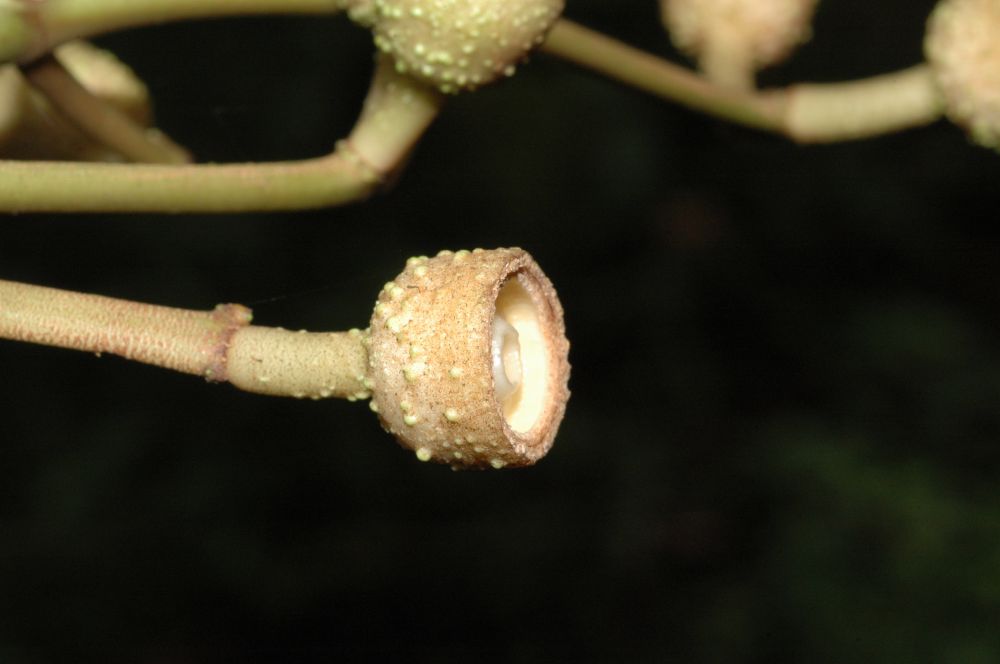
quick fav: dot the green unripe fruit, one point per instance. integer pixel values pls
(732, 39)
(963, 48)
(457, 45)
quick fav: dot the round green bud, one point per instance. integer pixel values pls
(962, 45)
(457, 45)
(768, 29)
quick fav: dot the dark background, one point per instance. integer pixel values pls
(783, 438)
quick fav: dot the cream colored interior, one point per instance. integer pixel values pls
(506, 358)
(520, 357)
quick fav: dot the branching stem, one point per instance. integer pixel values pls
(219, 345)
(644, 71)
(99, 119)
(396, 113)
(805, 113)
(398, 110)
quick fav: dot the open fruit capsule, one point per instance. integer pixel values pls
(469, 359)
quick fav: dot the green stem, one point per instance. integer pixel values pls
(823, 113)
(98, 119)
(644, 71)
(317, 365)
(726, 59)
(192, 342)
(219, 345)
(397, 110)
(84, 187)
(807, 112)
(395, 115)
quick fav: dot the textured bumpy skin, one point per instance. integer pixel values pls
(771, 28)
(963, 48)
(431, 360)
(457, 44)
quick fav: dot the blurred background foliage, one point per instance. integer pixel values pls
(782, 443)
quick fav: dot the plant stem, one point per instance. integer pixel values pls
(40, 186)
(279, 362)
(219, 345)
(66, 19)
(805, 112)
(726, 59)
(396, 113)
(186, 341)
(822, 113)
(97, 118)
(397, 110)
(644, 71)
